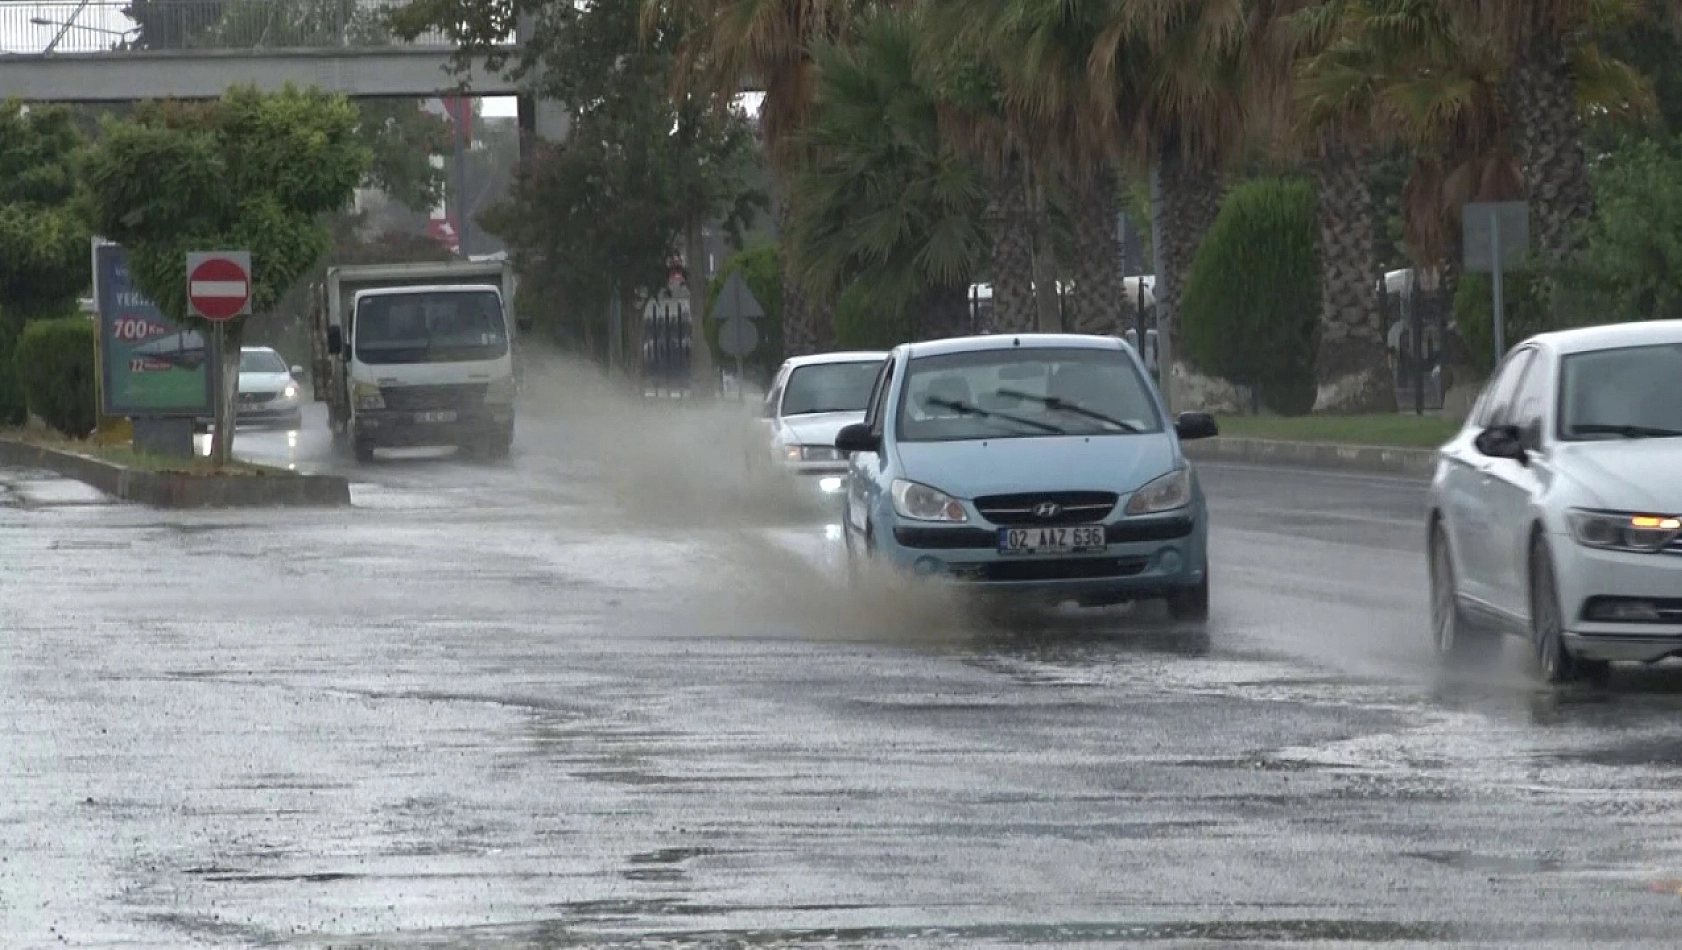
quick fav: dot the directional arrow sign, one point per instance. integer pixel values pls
(737, 337)
(219, 284)
(736, 301)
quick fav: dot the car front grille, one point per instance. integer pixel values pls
(1073, 507)
(1129, 531)
(1051, 569)
(256, 399)
(423, 398)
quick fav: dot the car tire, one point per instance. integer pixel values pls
(1454, 637)
(1191, 604)
(1554, 663)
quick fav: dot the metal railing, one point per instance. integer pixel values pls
(133, 26)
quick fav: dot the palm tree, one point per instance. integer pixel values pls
(729, 45)
(1038, 50)
(974, 116)
(1547, 43)
(1423, 75)
(1185, 83)
(887, 209)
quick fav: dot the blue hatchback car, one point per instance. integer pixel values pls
(1036, 465)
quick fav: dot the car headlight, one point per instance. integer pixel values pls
(1171, 491)
(290, 392)
(367, 396)
(1624, 531)
(811, 453)
(500, 391)
(918, 502)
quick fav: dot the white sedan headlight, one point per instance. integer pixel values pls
(1624, 531)
(1167, 493)
(811, 453)
(918, 502)
(290, 392)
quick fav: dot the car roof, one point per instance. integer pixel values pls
(844, 356)
(1002, 341)
(259, 349)
(1612, 336)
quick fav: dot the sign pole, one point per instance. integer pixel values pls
(1500, 320)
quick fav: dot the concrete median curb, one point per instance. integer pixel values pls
(180, 489)
(1370, 459)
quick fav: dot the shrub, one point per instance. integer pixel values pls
(11, 392)
(762, 270)
(1250, 312)
(55, 362)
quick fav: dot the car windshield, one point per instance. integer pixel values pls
(261, 361)
(432, 327)
(1003, 393)
(830, 387)
(1625, 393)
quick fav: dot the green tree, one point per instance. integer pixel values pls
(1630, 264)
(722, 45)
(44, 240)
(1264, 237)
(887, 210)
(683, 160)
(250, 171)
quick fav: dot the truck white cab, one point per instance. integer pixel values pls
(418, 354)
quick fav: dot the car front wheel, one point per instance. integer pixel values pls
(1191, 604)
(1554, 661)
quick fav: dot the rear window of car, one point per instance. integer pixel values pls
(1024, 393)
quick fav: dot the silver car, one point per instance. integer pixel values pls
(269, 391)
(810, 400)
(1556, 513)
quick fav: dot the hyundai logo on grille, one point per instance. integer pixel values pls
(1047, 509)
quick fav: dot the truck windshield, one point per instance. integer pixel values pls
(441, 326)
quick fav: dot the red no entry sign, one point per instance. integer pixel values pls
(219, 284)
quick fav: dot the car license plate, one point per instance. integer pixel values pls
(436, 415)
(1074, 539)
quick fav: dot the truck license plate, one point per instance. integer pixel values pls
(436, 415)
(1075, 539)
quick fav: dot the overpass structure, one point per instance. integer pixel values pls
(127, 50)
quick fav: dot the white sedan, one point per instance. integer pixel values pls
(1556, 513)
(810, 400)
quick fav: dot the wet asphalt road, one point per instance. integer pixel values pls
(507, 705)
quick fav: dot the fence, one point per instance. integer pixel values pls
(667, 339)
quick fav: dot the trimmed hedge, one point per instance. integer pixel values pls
(1251, 308)
(55, 361)
(12, 412)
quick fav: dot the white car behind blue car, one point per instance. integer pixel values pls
(1038, 466)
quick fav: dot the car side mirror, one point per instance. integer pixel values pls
(1196, 425)
(857, 438)
(297, 371)
(335, 341)
(1502, 442)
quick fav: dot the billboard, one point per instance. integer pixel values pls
(149, 366)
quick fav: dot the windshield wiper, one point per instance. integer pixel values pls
(1052, 402)
(964, 408)
(1627, 431)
